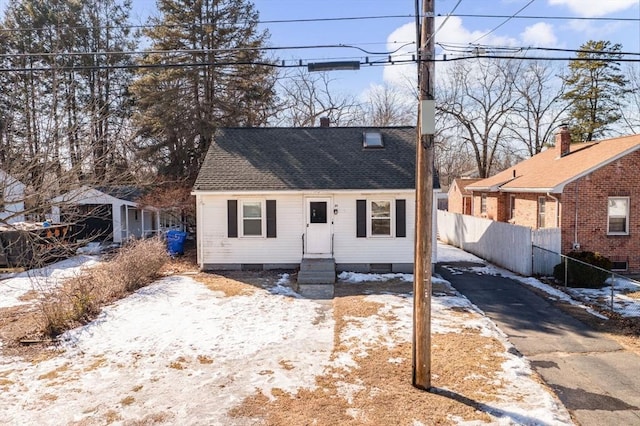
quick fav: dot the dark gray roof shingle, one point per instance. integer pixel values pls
(333, 158)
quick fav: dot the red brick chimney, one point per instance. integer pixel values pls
(324, 121)
(563, 141)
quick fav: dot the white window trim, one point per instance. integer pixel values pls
(626, 216)
(542, 201)
(512, 206)
(263, 219)
(392, 218)
(483, 203)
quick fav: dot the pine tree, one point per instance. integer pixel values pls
(204, 70)
(595, 88)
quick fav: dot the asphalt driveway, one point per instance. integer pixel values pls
(597, 379)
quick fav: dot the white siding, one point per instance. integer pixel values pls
(350, 249)
(214, 247)
(12, 195)
(217, 248)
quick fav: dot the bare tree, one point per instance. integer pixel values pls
(387, 106)
(305, 97)
(539, 106)
(630, 109)
(477, 96)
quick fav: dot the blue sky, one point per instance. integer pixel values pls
(384, 35)
(388, 34)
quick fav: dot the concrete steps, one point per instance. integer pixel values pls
(316, 278)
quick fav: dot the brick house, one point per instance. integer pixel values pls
(460, 198)
(591, 191)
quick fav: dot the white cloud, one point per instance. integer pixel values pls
(593, 8)
(597, 32)
(540, 34)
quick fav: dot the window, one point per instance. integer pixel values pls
(512, 206)
(618, 213)
(380, 218)
(620, 265)
(372, 140)
(483, 203)
(542, 207)
(251, 218)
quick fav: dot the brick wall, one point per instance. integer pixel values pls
(455, 199)
(527, 207)
(587, 200)
(497, 206)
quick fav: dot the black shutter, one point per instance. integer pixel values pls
(361, 218)
(401, 218)
(232, 218)
(271, 218)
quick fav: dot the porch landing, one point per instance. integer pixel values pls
(316, 278)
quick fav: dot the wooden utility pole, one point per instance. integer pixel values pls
(424, 203)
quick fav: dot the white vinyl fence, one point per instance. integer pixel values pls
(503, 244)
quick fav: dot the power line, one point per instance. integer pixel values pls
(504, 22)
(445, 21)
(554, 18)
(202, 51)
(346, 18)
(388, 61)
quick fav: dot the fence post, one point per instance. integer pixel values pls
(566, 270)
(612, 283)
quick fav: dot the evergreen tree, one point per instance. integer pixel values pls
(595, 88)
(203, 70)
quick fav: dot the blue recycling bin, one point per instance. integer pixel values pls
(175, 242)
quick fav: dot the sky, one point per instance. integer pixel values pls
(187, 336)
(534, 25)
(397, 28)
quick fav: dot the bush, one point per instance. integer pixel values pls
(80, 298)
(137, 264)
(581, 275)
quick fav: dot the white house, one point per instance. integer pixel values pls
(106, 213)
(11, 199)
(271, 197)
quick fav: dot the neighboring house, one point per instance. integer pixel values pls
(271, 197)
(107, 213)
(589, 190)
(11, 199)
(460, 198)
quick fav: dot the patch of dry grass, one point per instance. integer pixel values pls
(228, 286)
(379, 390)
(633, 295)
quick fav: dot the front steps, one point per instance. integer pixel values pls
(316, 278)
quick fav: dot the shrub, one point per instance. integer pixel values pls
(581, 275)
(138, 263)
(80, 298)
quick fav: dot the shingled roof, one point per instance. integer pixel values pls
(318, 158)
(550, 172)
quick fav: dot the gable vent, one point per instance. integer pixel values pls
(372, 140)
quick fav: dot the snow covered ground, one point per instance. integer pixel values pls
(176, 352)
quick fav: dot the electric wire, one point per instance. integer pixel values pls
(310, 20)
(503, 22)
(445, 21)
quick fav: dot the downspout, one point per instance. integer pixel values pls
(575, 228)
(557, 208)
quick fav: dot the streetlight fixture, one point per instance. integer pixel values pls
(333, 66)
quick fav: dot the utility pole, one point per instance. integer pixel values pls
(424, 203)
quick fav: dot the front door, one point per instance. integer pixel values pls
(318, 221)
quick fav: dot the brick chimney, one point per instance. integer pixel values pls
(324, 121)
(563, 141)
